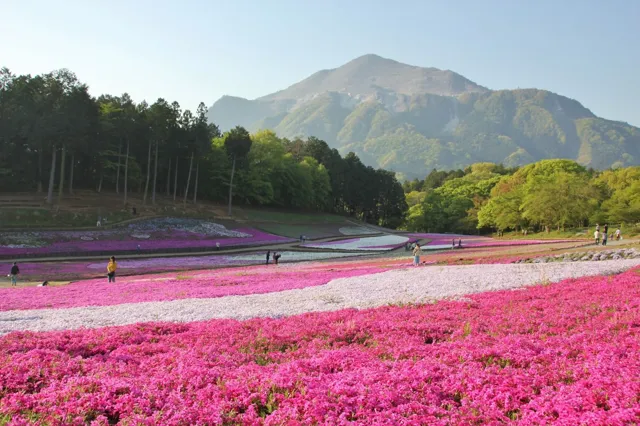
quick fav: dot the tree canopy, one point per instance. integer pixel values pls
(544, 195)
(53, 132)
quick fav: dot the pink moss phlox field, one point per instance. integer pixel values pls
(186, 285)
(168, 240)
(566, 353)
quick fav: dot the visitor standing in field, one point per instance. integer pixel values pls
(596, 235)
(606, 228)
(14, 274)
(276, 257)
(268, 256)
(111, 269)
(618, 234)
(605, 236)
(416, 255)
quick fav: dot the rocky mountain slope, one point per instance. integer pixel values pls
(411, 119)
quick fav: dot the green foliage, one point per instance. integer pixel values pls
(115, 142)
(544, 195)
(237, 142)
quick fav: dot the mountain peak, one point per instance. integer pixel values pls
(371, 74)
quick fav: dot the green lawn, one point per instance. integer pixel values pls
(288, 217)
(44, 218)
(294, 231)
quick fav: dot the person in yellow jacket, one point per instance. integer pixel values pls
(111, 269)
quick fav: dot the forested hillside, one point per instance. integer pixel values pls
(547, 195)
(55, 137)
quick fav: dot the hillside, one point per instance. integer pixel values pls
(411, 119)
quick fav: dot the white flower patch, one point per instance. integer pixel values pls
(410, 285)
(357, 230)
(382, 243)
(141, 236)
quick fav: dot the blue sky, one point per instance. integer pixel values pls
(197, 50)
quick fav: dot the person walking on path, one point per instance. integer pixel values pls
(605, 236)
(596, 235)
(606, 228)
(14, 274)
(111, 269)
(416, 255)
(268, 256)
(618, 236)
(276, 257)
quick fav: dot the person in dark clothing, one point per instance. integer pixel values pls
(14, 274)
(268, 256)
(276, 257)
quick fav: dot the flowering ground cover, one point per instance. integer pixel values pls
(196, 284)
(279, 295)
(566, 353)
(154, 234)
(381, 243)
(445, 241)
(74, 270)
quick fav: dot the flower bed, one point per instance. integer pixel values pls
(119, 240)
(444, 241)
(271, 292)
(382, 243)
(60, 271)
(196, 284)
(566, 353)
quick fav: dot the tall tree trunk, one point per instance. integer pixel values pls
(233, 171)
(61, 184)
(40, 159)
(126, 173)
(175, 181)
(118, 170)
(73, 162)
(186, 191)
(195, 188)
(100, 182)
(146, 186)
(169, 178)
(155, 177)
(52, 176)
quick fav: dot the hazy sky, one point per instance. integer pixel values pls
(193, 51)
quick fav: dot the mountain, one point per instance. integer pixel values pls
(411, 119)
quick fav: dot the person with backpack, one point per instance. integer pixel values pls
(14, 274)
(111, 269)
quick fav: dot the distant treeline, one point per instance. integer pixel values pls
(549, 194)
(55, 137)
